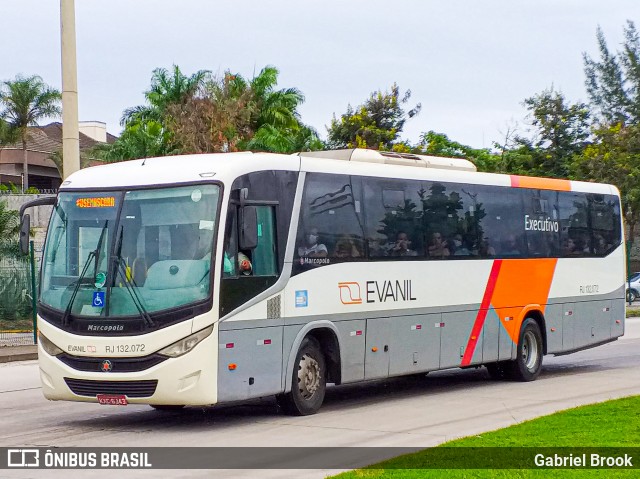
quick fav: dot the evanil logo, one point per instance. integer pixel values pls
(350, 292)
(531, 224)
(376, 291)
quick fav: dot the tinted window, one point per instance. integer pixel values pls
(541, 223)
(575, 236)
(331, 223)
(500, 221)
(605, 223)
(393, 218)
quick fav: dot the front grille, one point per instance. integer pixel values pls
(132, 389)
(119, 365)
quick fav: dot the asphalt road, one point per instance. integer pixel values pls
(400, 412)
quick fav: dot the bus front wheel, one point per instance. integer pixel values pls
(528, 362)
(309, 381)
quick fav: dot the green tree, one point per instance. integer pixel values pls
(375, 124)
(144, 139)
(613, 81)
(167, 88)
(8, 135)
(9, 230)
(26, 101)
(232, 113)
(439, 144)
(559, 131)
(614, 157)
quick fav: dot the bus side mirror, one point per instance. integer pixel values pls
(25, 228)
(248, 227)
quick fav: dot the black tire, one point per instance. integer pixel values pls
(498, 371)
(528, 362)
(632, 295)
(167, 407)
(308, 382)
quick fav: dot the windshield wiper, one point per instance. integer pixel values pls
(120, 266)
(92, 255)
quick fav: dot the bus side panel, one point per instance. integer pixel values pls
(257, 356)
(493, 335)
(415, 344)
(352, 335)
(352, 339)
(618, 313)
(456, 338)
(592, 323)
(553, 323)
(568, 326)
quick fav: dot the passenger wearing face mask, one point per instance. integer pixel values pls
(311, 248)
(460, 248)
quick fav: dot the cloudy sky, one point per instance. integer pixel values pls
(469, 62)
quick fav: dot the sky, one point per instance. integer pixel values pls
(470, 63)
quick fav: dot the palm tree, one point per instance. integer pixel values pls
(26, 101)
(166, 89)
(277, 121)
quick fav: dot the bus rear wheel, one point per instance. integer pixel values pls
(308, 383)
(528, 362)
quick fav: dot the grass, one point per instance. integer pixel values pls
(16, 325)
(611, 424)
(633, 311)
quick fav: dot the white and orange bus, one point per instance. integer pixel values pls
(204, 279)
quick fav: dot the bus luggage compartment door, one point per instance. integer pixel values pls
(376, 356)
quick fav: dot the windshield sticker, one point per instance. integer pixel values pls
(103, 202)
(101, 279)
(98, 299)
(196, 195)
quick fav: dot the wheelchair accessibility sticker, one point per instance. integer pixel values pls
(98, 299)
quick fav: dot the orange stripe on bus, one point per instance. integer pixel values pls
(514, 285)
(522, 282)
(540, 183)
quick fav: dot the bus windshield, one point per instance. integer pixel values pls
(129, 253)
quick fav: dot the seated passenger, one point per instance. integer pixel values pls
(402, 246)
(346, 248)
(438, 247)
(510, 246)
(311, 248)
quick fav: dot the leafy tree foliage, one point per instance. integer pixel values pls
(439, 144)
(26, 101)
(9, 230)
(167, 88)
(615, 158)
(558, 131)
(376, 124)
(613, 81)
(233, 114)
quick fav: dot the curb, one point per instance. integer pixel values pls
(24, 354)
(18, 357)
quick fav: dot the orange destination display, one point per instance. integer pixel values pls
(103, 202)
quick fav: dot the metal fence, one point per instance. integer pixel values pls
(16, 311)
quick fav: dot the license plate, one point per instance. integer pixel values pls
(112, 399)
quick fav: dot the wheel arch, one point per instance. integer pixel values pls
(535, 313)
(327, 336)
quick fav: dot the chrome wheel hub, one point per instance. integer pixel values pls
(308, 376)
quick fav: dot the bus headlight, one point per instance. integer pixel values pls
(50, 348)
(187, 344)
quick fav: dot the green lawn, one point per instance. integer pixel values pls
(610, 424)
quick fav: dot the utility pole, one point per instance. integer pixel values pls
(70, 133)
